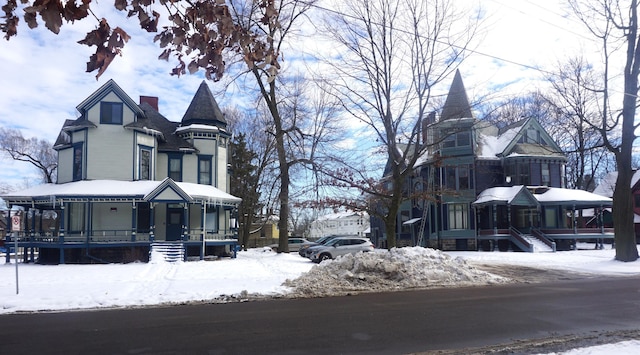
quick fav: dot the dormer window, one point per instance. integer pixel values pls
(111, 112)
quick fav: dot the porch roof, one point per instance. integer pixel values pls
(512, 195)
(520, 195)
(579, 198)
(116, 190)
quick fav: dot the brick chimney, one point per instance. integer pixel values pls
(151, 100)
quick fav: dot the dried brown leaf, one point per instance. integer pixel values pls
(52, 15)
(120, 4)
(30, 19)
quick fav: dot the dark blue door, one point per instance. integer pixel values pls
(175, 219)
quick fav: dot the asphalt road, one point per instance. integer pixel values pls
(381, 323)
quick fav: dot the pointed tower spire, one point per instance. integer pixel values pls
(457, 103)
(204, 109)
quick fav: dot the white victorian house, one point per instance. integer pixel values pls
(129, 178)
(347, 223)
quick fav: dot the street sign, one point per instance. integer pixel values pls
(15, 223)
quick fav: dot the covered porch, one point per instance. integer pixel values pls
(90, 220)
(553, 217)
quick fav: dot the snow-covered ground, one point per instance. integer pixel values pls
(263, 273)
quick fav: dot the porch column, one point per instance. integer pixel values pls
(185, 219)
(8, 224)
(601, 219)
(573, 218)
(494, 215)
(152, 225)
(61, 234)
(89, 221)
(134, 220)
(203, 221)
(185, 228)
(32, 235)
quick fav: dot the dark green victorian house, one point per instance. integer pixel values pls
(480, 187)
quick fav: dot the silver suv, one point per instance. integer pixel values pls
(340, 246)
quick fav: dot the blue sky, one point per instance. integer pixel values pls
(43, 75)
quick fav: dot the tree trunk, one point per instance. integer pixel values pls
(283, 223)
(625, 238)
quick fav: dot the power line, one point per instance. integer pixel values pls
(473, 51)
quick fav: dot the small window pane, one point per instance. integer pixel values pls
(111, 112)
(77, 163)
(463, 139)
(204, 169)
(175, 169)
(145, 164)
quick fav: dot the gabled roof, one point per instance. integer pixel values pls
(64, 139)
(512, 195)
(204, 109)
(457, 103)
(553, 148)
(504, 142)
(167, 191)
(104, 90)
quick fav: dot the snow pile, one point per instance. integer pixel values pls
(396, 269)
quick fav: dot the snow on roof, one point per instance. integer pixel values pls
(89, 188)
(341, 214)
(559, 195)
(546, 195)
(494, 145)
(207, 192)
(197, 127)
(118, 188)
(506, 194)
(608, 183)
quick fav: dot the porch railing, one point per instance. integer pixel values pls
(196, 234)
(95, 236)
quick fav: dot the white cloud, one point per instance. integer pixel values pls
(43, 75)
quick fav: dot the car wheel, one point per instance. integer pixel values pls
(324, 257)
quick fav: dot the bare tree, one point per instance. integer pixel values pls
(37, 152)
(574, 102)
(392, 55)
(615, 24)
(252, 161)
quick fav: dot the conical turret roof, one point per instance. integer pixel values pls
(204, 109)
(457, 103)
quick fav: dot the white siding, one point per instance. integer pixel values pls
(110, 149)
(65, 165)
(221, 174)
(162, 166)
(112, 216)
(190, 168)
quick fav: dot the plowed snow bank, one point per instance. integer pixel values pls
(382, 270)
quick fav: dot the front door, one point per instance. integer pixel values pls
(175, 219)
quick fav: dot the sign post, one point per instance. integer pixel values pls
(15, 228)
